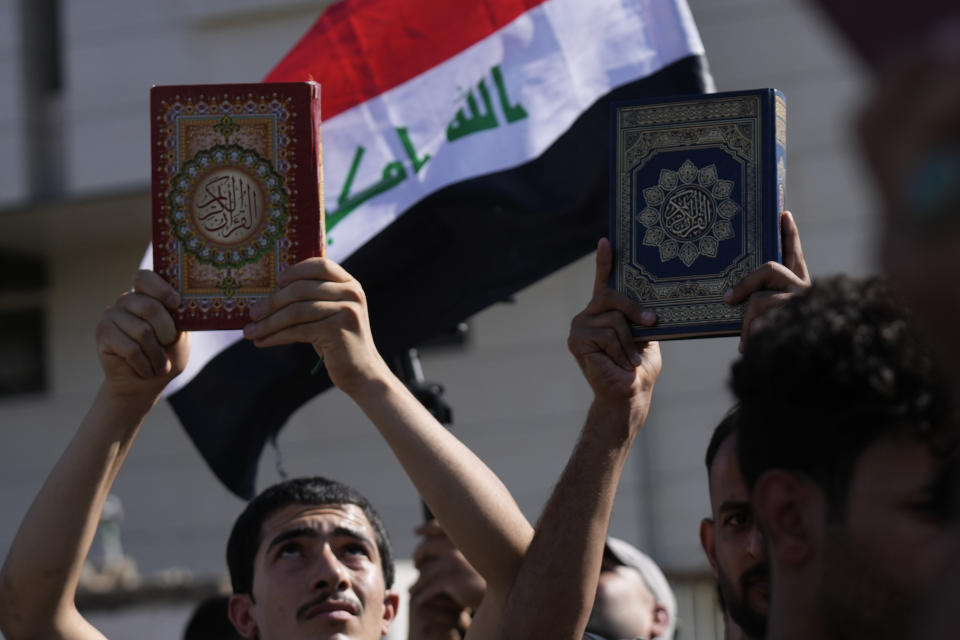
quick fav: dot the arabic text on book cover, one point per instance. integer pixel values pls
(237, 193)
(697, 188)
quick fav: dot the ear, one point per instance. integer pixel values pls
(789, 509)
(391, 604)
(660, 622)
(708, 543)
(240, 611)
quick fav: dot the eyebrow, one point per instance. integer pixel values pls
(356, 534)
(730, 505)
(291, 534)
(310, 532)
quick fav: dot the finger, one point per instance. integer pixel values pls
(297, 314)
(433, 547)
(608, 299)
(604, 264)
(115, 343)
(306, 289)
(142, 334)
(314, 269)
(152, 311)
(152, 284)
(305, 333)
(615, 320)
(439, 604)
(587, 340)
(770, 276)
(435, 594)
(792, 250)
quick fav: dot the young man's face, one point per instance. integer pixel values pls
(884, 560)
(733, 544)
(317, 574)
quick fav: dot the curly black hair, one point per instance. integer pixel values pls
(830, 372)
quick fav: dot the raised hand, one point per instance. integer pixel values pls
(140, 349)
(773, 283)
(614, 364)
(319, 303)
(447, 590)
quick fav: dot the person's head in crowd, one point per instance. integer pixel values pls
(847, 444)
(210, 621)
(910, 135)
(634, 599)
(310, 558)
(731, 537)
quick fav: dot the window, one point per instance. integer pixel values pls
(23, 280)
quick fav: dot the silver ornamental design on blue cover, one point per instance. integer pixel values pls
(688, 213)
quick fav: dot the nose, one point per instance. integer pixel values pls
(328, 571)
(755, 543)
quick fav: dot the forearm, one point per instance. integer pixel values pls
(40, 575)
(554, 590)
(471, 503)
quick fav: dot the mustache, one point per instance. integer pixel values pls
(757, 573)
(329, 597)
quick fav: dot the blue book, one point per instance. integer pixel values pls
(697, 187)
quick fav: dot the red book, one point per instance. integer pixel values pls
(237, 193)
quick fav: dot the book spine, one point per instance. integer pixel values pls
(780, 159)
(615, 278)
(318, 151)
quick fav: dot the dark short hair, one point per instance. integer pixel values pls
(245, 537)
(727, 427)
(831, 372)
(210, 621)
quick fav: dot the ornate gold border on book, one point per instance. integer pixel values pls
(708, 109)
(678, 300)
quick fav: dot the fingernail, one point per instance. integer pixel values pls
(728, 296)
(637, 359)
(173, 301)
(648, 317)
(248, 330)
(167, 366)
(255, 310)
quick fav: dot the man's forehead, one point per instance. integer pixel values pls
(725, 479)
(325, 517)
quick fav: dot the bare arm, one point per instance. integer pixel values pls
(140, 351)
(554, 591)
(321, 304)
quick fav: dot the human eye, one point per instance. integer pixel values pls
(738, 518)
(355, 549)
(292, 549)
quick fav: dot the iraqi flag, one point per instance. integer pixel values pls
(466, 154)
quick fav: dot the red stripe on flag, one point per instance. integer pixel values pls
(359, 49)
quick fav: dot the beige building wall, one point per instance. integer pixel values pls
(517, 395)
